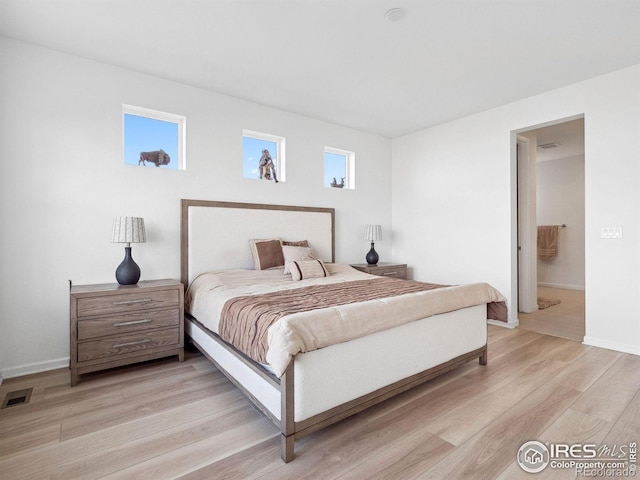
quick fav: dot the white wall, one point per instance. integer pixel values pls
(560, 200)
(63, 180)
(454, 211)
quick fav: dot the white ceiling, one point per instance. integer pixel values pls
(341, 60)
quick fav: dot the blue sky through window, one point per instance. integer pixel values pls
(143, 134)
(251, 153)
(335, 166)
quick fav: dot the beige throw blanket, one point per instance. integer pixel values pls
(313, 317)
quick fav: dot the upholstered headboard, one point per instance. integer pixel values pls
(215, 235)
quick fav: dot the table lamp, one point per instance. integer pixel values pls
(128, 230)
(374, 233)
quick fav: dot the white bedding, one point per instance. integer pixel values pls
(304, 332)
(208, 293)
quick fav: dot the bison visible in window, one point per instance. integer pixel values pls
(159, 157)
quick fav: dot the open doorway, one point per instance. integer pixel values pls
(551, 204)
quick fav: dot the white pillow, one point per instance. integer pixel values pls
(296, 254)
(303, 269)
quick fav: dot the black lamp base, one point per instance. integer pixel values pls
(128, 272)
(372, 256)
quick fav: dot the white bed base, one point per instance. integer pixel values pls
(310, 395)
(389, 356)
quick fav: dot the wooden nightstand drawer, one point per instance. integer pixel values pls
(127, 302)
(127, 322)
(395, 271)
(123, 344)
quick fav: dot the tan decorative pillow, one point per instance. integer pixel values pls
(292, 254)
(266, 253)
(304, 269)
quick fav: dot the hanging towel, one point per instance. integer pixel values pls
(547, 242)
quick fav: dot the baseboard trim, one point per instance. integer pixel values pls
(559, 285)
(28, 369)
(618, 347)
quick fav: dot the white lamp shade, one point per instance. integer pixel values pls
(128, 230)
(373, 233)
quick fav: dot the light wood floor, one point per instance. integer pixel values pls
(565, 319)
(185, 420)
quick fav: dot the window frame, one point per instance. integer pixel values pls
(180, 120)
(280, 158)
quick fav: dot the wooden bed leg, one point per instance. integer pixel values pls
(483, 357)
(287, 421)
(286, 447)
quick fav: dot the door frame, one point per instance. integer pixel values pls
(521, 244)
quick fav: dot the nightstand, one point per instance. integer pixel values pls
(114, 325)
(382, 269)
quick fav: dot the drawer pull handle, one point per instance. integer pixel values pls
(132, 322)
(389, 273)
(129, 344)
(133, 302)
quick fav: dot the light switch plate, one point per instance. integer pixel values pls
(611, 232)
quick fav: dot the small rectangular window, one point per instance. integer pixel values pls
(153, 139)
(339, 168)
(263, 156)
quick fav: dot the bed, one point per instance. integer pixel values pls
(301, 390)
